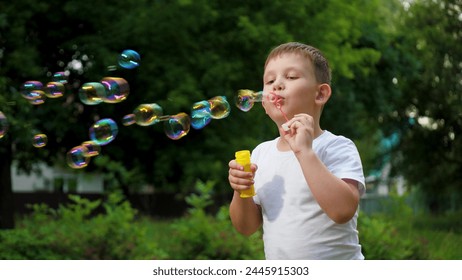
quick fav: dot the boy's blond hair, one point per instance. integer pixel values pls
(322, 71)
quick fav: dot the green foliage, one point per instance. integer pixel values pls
(394, 70)
(385, 235)
(400, 230)
(202, 236)
(191, 51)
(76, 231)
(446, 222)
(428, 113)
(382, 240)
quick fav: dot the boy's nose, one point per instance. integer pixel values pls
(278, 85)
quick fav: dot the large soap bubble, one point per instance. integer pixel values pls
(54, 89)
(77, 157)
(117, 89)
(92, 93)
(147, 114)
(200, 114)
(219, 107)
(177, 126)
(33, 92)
(129, 59)
(246, 98)
(103, 131)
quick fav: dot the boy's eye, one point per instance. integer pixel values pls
(269, 82)
(292, 77)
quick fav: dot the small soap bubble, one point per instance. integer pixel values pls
(92, 93)
(93, 149)
(77, 157)
(246, 99)
(219, 107)
(117, 89)
(39, 140)
(54, 89)
(59, 77)
(103, 131)
(200, 114)
(177, 126)
(111, 68)
(3, 125)
(147, 114)
(129, 59)
(128, 119)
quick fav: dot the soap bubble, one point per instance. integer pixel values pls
(30, 86)
(147, 114)
(219, 107)
(33, 92)
(128, 119)
(103, 131)
(93, 149)
(246, 98)
(129, 59)
(111, 68)
(59, 77)
(77, 157)
(177, 126)
(54, 89)
(117, 89)
(39, 140)
(92, 93)
(200, 114)
(37, 97)
(3, 125)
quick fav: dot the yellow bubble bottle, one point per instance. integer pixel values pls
(243, 158)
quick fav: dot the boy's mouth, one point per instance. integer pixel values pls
(277, 100)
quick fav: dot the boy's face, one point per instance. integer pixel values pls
(289, 78)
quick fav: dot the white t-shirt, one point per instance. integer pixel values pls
(294, 225)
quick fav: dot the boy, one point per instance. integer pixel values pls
(308, 181)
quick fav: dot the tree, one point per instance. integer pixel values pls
(190, 51)
(428, 112)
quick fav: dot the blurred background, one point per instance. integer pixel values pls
(397, 90)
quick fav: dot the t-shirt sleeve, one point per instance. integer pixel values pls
(343, 160)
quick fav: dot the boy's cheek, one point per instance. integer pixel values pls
(264, 105)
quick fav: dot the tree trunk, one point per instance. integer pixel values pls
(6, 193)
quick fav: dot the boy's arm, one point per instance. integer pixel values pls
(338, 198)
(245, 214)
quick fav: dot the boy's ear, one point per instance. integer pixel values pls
(323, 94)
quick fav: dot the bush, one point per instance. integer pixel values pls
(74, 231)
(448, 222)
(200, 235)
(381, 240)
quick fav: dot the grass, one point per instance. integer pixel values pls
(441, 245)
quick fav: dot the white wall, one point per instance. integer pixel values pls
(45, 181)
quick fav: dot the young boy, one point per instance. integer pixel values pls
(308, 181)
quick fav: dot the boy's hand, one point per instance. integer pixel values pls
(300, 133)
(238, 178)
